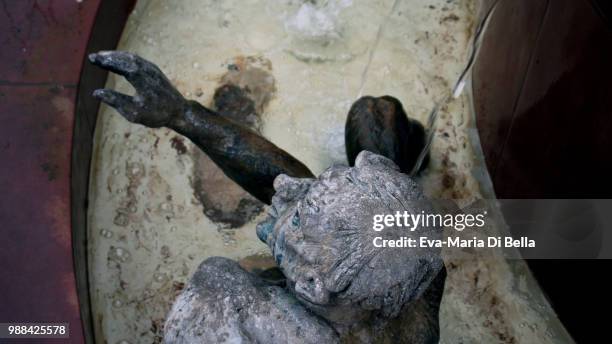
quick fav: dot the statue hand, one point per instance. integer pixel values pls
(156, 101)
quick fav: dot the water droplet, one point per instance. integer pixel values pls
(123, 341)
(116, 171)
(196, 65)
(119, 254)
(117, 303)
(173, 229)
(105, 233)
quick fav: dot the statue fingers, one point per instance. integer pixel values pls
(123, 103)
(119, 62)
(142, 74)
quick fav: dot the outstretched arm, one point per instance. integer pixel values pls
(246, 157)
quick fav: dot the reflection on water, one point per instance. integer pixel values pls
(159, 206)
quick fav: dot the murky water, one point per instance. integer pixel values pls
(159, 206)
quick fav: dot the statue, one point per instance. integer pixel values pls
(338, 287)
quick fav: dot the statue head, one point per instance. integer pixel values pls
(321, 234)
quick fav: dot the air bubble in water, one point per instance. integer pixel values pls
(105, 233)
(121, 220)
(119, 254)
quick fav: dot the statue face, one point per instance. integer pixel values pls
(320, 233)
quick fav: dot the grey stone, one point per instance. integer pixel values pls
(339, 286)
(225, 304)
(320, 232)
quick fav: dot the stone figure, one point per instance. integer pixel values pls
(339, 287)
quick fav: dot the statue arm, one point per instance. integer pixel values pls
(246, 157)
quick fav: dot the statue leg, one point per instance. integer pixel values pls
(224, 303)
(381, 126)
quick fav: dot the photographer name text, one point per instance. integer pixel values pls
(455, 242)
